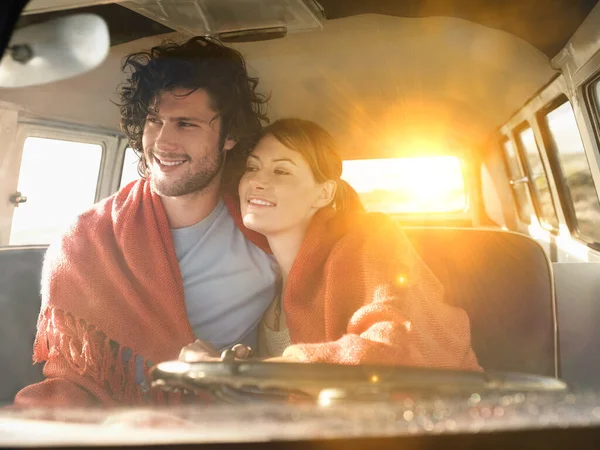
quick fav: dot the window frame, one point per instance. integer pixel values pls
(46, 129)
(591, 117)
(533, 192)
(121, 166)
(514, 182)
(552, 152)
(573, 86)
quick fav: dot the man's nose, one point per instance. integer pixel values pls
(166, 138)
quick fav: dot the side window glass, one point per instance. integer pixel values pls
(540, 190)
(59, 179)
(130, 165)
(575, 173)
(518, 181)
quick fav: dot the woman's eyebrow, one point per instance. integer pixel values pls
(251, 155)
(285, 160)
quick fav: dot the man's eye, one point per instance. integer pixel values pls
(186, 125)
(151, 120)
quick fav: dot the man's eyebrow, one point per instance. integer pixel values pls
(190, 119)
(182, 118)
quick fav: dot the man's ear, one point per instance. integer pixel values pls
(326, 195)
(229, 144)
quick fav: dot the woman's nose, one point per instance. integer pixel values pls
(256, 183)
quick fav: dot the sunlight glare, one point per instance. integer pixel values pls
(408, 185)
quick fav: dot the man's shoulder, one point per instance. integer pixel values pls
(98, 220)
(94, 216)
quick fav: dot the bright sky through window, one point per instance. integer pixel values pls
(408, 185)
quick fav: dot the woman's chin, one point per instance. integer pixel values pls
(251, 223)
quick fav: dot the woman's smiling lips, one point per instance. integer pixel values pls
(259, 203)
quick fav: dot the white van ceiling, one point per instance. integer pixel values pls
(378, 83)
(547, 25)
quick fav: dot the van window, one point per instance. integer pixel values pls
(518, 181)
(59, 179)
(575, 173)
(540, 191)
(432, 184)
(130, 165)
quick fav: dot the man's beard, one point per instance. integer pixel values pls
(203, 173)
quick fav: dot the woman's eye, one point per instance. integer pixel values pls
(152, 120)
(281, 172)
(251, 169)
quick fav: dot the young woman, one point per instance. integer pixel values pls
(353, 290)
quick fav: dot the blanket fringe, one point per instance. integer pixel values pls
(88, 352)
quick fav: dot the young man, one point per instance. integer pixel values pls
(166, 260)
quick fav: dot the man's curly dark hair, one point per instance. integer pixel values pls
(200, 63)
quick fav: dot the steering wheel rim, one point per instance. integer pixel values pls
(284, 378)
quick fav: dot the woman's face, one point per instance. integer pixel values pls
(278, 192)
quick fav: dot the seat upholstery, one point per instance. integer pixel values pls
(504, 282)
(20, 274)
(578, 310)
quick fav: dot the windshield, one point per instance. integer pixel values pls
(305, 219)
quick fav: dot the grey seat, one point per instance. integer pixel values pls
(578, 309)
(504, 282)
(20, 275)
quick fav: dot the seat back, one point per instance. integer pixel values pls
(20, 275)
(503, 281)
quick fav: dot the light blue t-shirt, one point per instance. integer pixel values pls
(227, 280)
(228, 283)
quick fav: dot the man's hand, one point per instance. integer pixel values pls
(199, 351)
